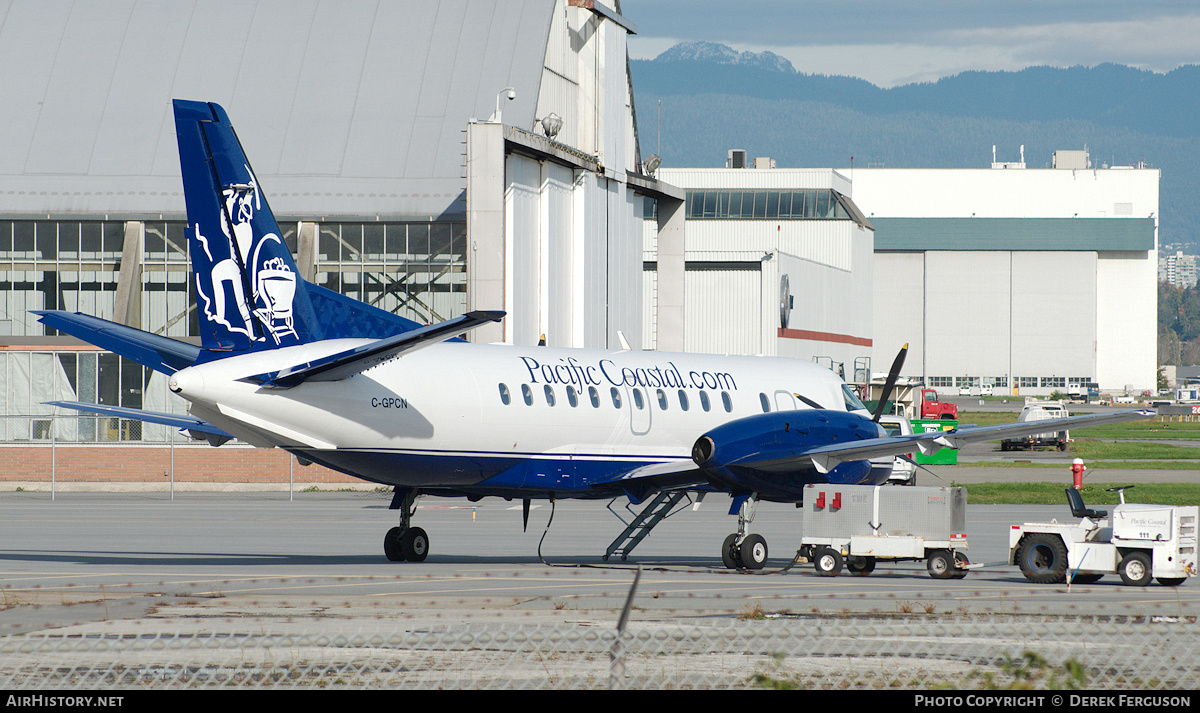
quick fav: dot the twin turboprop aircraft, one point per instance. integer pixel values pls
(288, 364)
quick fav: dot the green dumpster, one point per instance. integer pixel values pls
(946, 456)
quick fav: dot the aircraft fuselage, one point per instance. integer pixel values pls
(496, 419)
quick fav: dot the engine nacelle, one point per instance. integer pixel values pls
(762, 453)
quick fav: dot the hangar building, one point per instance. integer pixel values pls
(778, 262)
(1028, 280)
(425, 157)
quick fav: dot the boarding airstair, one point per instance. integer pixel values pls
(659, 508)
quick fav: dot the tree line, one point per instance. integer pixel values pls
(1178, 325)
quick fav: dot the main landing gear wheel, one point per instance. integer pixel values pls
(411, 545)
(750, 554)
(391, 545)
(742, 551)
(729, 552)
(414, 543)
(405, 543)
(753, 552)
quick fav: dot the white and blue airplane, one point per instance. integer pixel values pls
(288, 364)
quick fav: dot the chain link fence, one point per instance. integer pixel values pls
(811, 652)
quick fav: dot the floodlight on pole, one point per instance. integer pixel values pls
(551, 125)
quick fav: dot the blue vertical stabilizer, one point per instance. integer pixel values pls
(250, 295)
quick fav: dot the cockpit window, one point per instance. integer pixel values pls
(851, 399)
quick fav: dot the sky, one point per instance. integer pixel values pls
(892, 42)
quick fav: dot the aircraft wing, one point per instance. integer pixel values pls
(152, 350)
(352, 361)
(824, 458)
(187, 423)
(640, 482)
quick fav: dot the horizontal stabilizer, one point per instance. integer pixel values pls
(151, 350)
(187, 423)
(352, 361)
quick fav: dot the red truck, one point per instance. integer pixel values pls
(932, 408)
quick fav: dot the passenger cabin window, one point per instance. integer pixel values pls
(728, 402)
(549, 395)
(637, 399)
(594, 396)
(766, 404)
(616, 397)
(704, 401)
(504, 395)
(527, 394)
(662, 400)
(572, 397)
(683, 400)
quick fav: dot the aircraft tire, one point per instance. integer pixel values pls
(1043, 558)
(753, 552)
(391, 545)
(1171, 581)
(828, 562)
(1135, 569)
(729, 553)
(415, 544)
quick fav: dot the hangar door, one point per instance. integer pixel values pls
(723, 308)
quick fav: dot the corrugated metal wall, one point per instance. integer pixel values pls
(559, 237)
(989, 314)
(522, 230)
(724, 313)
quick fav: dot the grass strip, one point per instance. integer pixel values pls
(1087, 448)
(1150, 428)
(1093, 494)
(1091, 465)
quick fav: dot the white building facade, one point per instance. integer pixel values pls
(778, 262)
(1028, 280)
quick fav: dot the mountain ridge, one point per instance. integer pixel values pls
(713, 100)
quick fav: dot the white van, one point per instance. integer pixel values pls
(903, 472)
(1040, 411)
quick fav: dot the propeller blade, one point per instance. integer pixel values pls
(888, 385)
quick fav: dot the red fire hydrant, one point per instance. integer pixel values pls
(1077, 468)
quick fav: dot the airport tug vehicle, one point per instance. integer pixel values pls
(1139, 542)
(855, 526)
